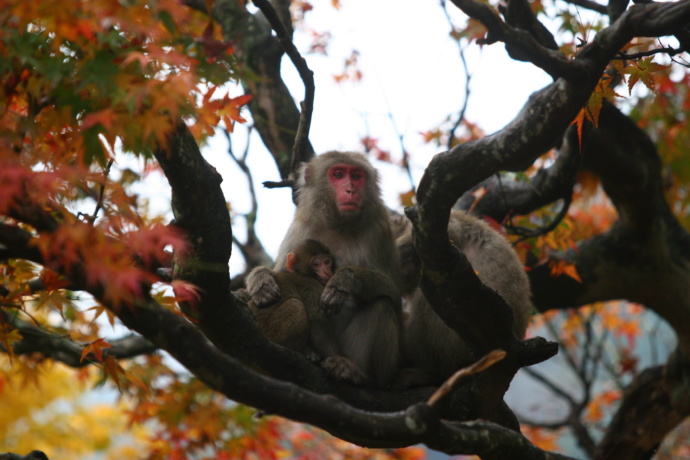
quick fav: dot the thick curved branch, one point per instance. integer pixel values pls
(621, 154)
(200, 210)
(645, 252)
(417, 424)
(643, 258)
(518, 13)
(542, 121)
(521, 44)
(537, 128)
(504, 198)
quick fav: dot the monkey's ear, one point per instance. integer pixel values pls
(291, 261)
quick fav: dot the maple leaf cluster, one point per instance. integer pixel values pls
(80, 82)
(81, 85)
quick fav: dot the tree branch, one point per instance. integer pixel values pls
(61, 348)
(418, 423)
(590, 5)
(520, 44)
(273, 109)
(650, 407)
(505, 198)
(299, 150)
(252, 250)
(14, 244)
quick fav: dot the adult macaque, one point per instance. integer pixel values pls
(433, 350)
(339, 204)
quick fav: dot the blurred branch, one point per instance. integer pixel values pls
(518, 13)
(33, 455)
(590, 5)
(668, 50)
(14, 244)
(526, 233)
(62, 348)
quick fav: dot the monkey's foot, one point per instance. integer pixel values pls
(342, 368)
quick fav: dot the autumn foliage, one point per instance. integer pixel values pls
(92, 96)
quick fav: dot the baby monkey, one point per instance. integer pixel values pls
(297, 320)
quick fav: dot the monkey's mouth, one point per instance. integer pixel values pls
(349, 206)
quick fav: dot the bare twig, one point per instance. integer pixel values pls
(666, 49)
(526, 233)
(252, 250)
(468, 78)
(101, 193)
(590, 5)
(399, 134)
(279, 184)
(484, 363)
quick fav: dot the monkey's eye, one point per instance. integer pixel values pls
(338, 174)
(356, 176)
(327, 262)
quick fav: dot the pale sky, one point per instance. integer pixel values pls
(411, 69)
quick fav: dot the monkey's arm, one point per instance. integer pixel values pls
(365, 285)
(262, 287)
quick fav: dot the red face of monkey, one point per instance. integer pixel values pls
(348, 181)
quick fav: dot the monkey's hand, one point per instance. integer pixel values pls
(262, 287)
(338, 290)
(342, 368)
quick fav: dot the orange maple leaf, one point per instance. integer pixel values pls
(186, 292)
(111, 368)
(541, 437)
(561, 267)
(643, 70)
(102, 117)
(95, 348)
(407, 199)
(231, 112)
(136, 56)
(53, 281)
(9, 336)
(149, 243)
(579, 121)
